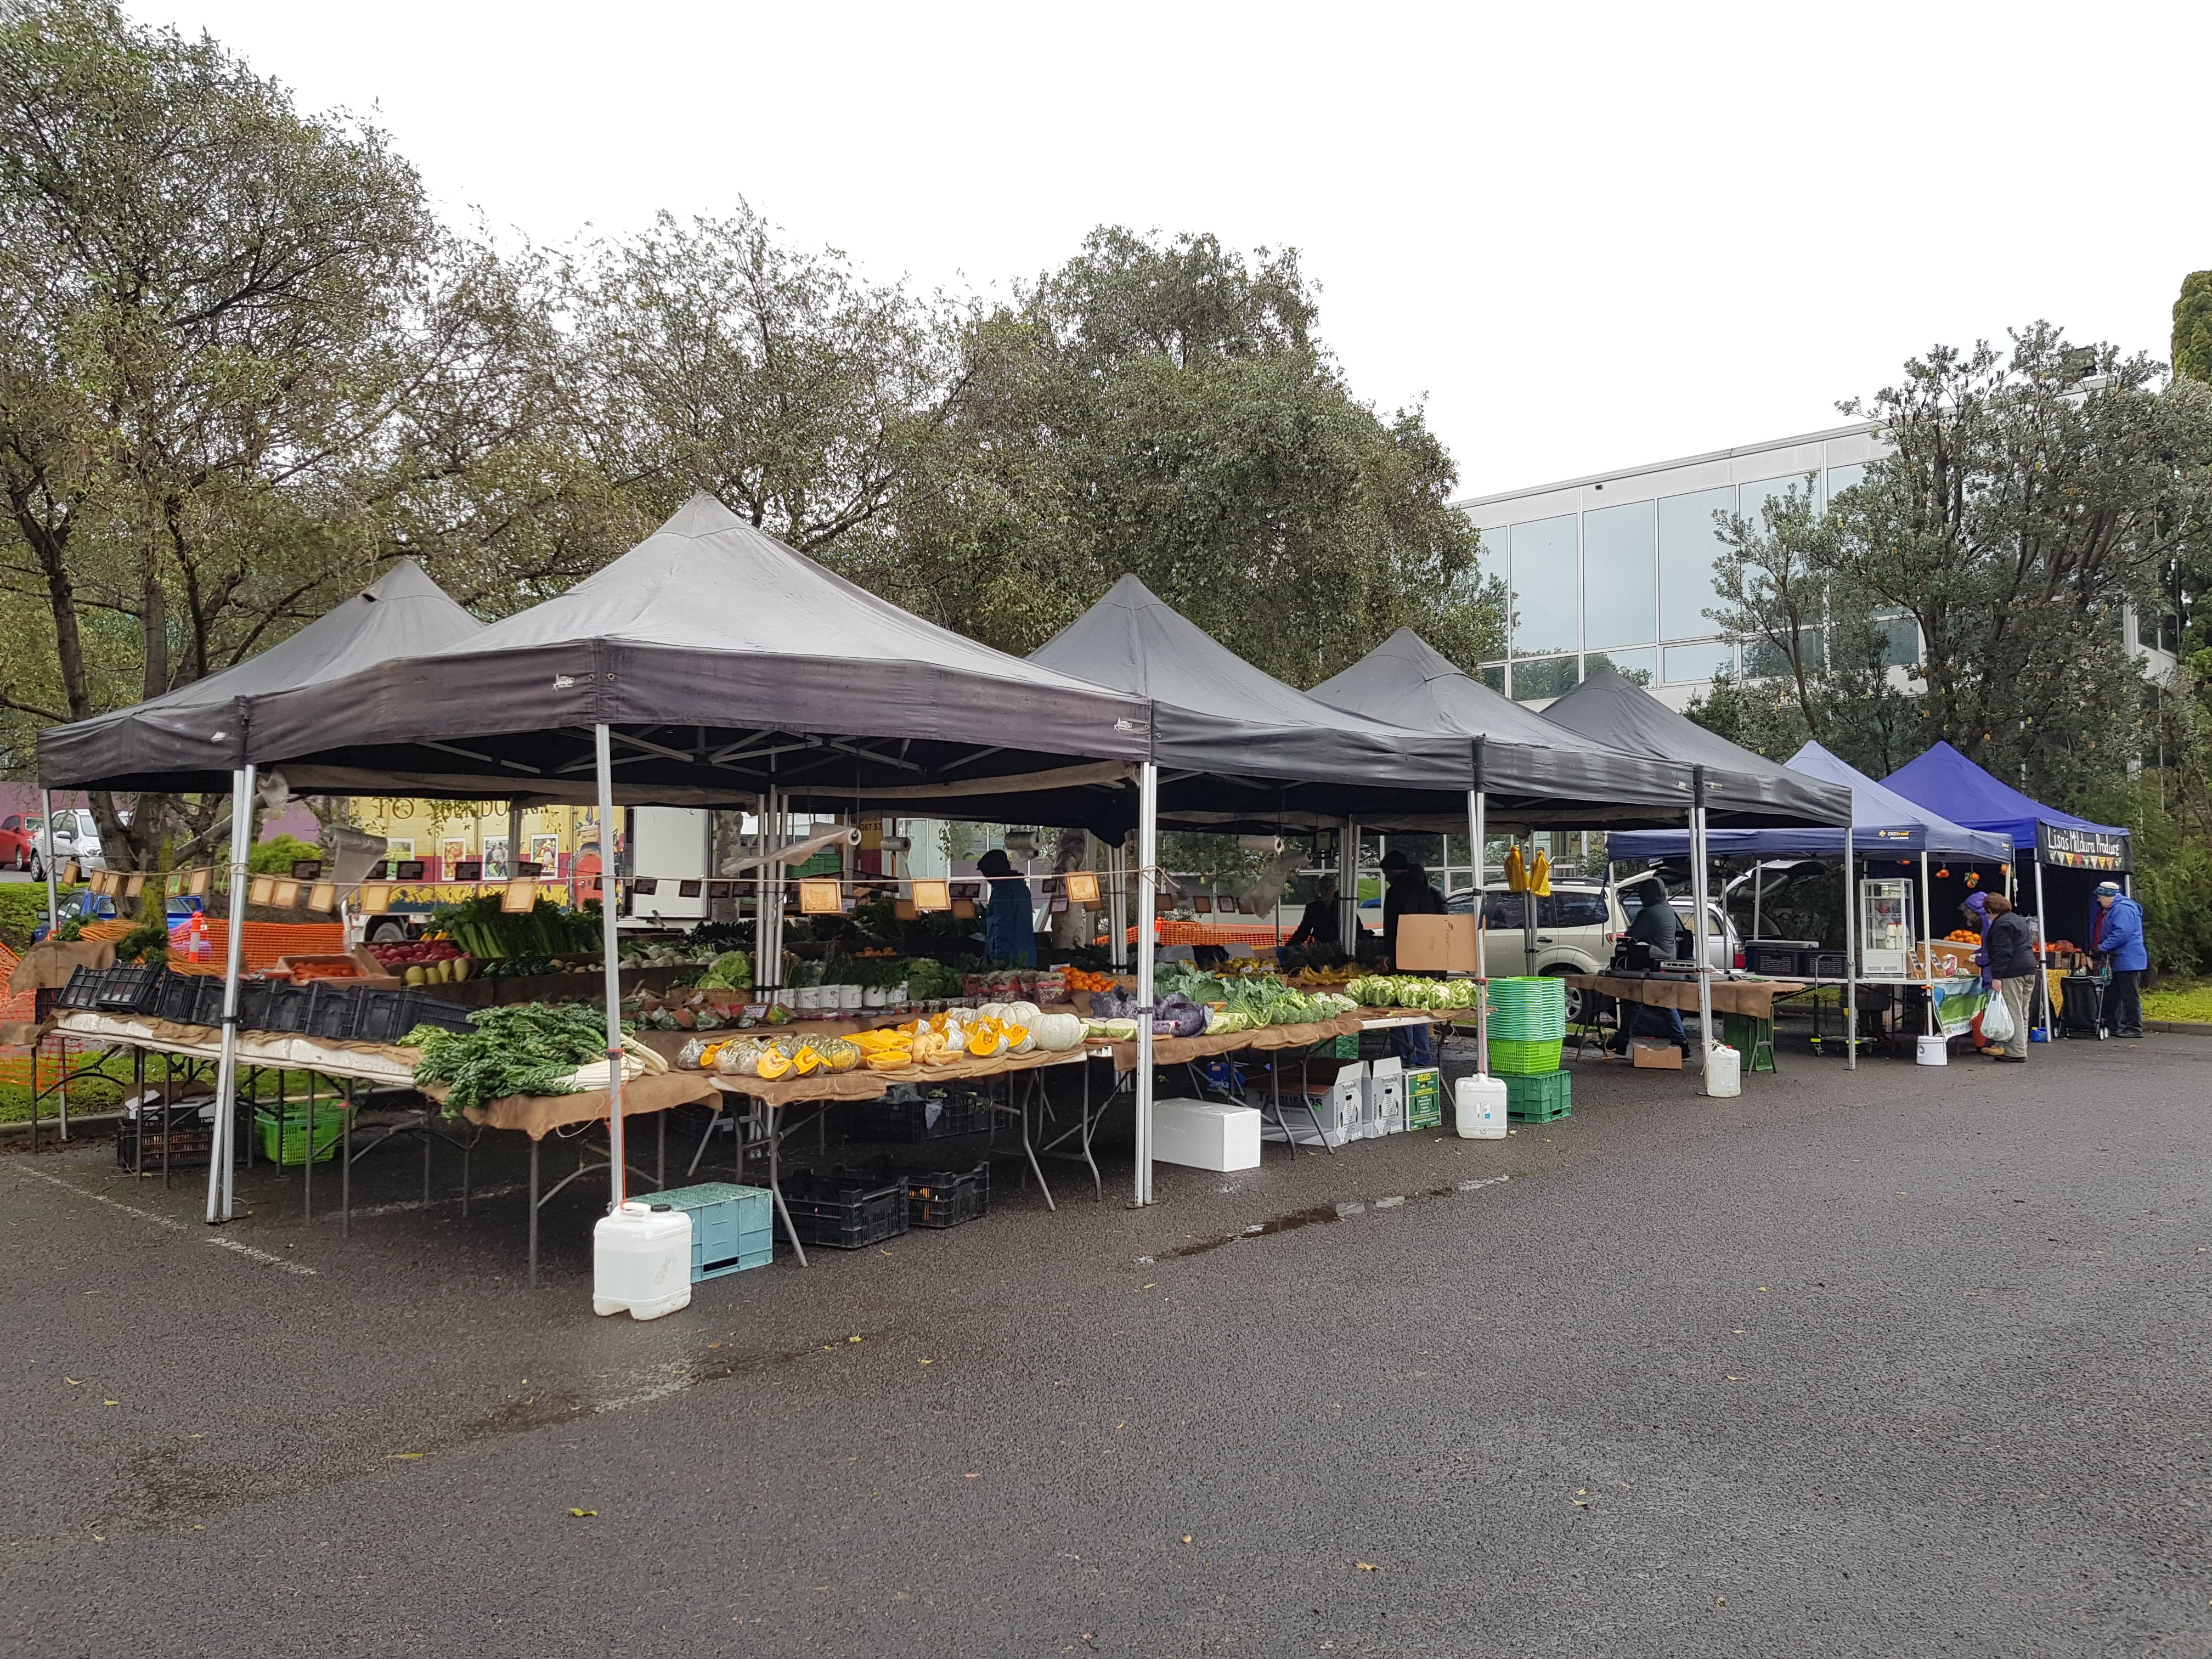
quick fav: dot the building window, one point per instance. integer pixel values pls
(1763, 659)
(1698, 662)
(1620, 575)
(1545, 599)
(1549, 677)
(1755, 496)
(1642, 666)
(1492, 674)
(1689, 546)
(1841, 478)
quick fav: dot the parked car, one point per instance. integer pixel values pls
(100, 907)
(1577, 925)
(16, 833)
(75, 836)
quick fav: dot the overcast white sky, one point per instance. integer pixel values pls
(1589, 236)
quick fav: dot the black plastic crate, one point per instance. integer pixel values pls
(379, 1016)
(253, 1005)
(132, 988)
(84, 989)
(190, 1138)
(288, 1006)
(421, 1008)
(945, 1197)
(845, 1209)
(332, 1009)
(910, 1123)
(178, 1002)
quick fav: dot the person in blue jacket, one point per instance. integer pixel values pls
(1009, 923)
(2116, 932)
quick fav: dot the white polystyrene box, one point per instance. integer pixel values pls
(1386, 1097)
(1204, 1134)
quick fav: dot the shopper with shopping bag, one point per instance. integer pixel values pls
(2011, 946)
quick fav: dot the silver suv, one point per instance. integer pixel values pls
(1577, 925)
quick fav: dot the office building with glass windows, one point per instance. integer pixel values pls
(1618, 567)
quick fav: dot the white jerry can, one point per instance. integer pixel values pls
(1723, 1072)
(642, 1260)
(1478, 1107)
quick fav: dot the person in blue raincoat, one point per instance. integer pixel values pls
(2116, 932)
(1010, 922)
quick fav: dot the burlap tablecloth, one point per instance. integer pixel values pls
(539, 1115)
(47, 965)
(1755, 998)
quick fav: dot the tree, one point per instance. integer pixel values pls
(2192, 326)
(714, 358)
(2027, 500)
(1161, 407)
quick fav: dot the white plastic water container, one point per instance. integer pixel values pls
(1479, 1106)
(642, 1260)
(1386, 1097)
(1932, 1051)
(1723, 1072)
(1204, 1134)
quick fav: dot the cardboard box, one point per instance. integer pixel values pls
(1425, 1099)
(1386, 1097)
(1652, 1056)
(1436, 944)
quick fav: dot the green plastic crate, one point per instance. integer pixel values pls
(1543, 1098)
(1347, 1047)
(1752, 1038)
(1425, 1098)
(285, 1141)
(1511, 1059)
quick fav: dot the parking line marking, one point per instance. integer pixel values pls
(235, 1246)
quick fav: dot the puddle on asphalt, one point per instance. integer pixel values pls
(1321, 1213)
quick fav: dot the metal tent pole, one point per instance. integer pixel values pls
(1927, 944)
(1477, 805)
(53, 890)
(223, 1158)
(1148, 875)
(1698, 909)
(1850, 959)
(1347, 891)
(1758, 898)
(2042, 962)
(616, 1170)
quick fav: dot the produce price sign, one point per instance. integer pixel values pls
(820, 898)
(2081, 849)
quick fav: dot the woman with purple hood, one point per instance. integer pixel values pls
(1976, 909)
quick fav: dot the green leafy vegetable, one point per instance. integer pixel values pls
(522, 1049)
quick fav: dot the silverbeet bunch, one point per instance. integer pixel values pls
(525, 1048)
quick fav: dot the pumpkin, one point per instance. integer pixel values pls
(1057, 1032)
(890, 1060)
(771, 1064)
(1019, 1039)
(1022, 1013)
(992, 1012)
(739, 1057)
(807, 1060)
(837, 1054)
(986, 1042)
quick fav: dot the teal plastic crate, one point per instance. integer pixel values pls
(732, 1227)
(1543, 1098)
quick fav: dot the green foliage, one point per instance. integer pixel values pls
(1163, 408)
(2192, 326)
(2014, 520)
(2173, 878)
(276, 855)
(521, 1049)
(22, 907)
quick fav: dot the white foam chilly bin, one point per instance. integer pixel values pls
(1932, 1051)
(1204, 1134)
(1478, 1108)
(642, 1260)
(1350, 1097)
(1386, 1097)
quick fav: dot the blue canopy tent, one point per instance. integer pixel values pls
(1947, 781)
(1884, 824)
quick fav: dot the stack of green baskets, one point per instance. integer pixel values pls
(1527, 1024)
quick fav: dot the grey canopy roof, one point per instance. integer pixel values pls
(1531, 769)
(724, 661)
(1741, 787)
(1215, 711)
(165, 743)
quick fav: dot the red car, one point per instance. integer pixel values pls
(17, 837)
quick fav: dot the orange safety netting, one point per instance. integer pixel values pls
(1205, 932)
(24, 1004)
(264, 942)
